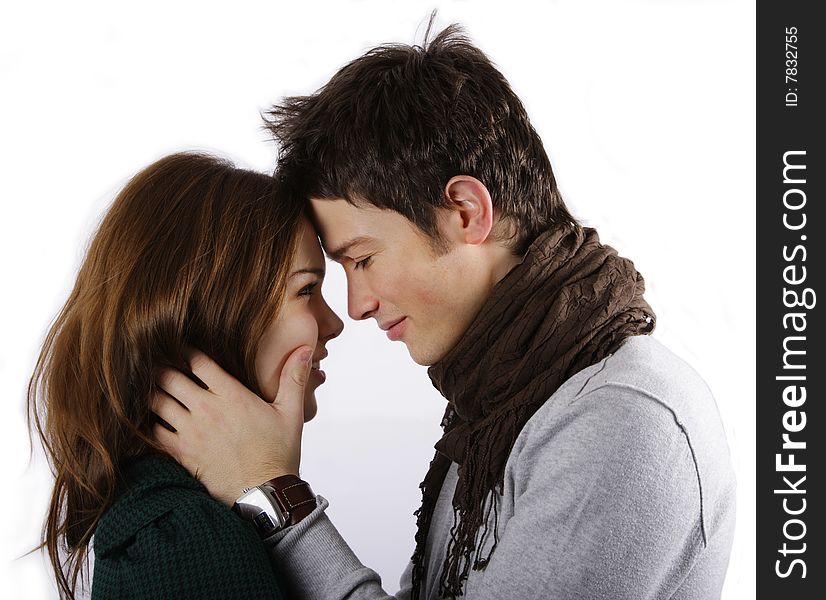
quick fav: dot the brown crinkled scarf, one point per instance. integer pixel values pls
(570, 303)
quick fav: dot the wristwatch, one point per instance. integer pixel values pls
(276, 504)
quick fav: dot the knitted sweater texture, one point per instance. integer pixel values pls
(165, 537)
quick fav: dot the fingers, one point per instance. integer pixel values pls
(180, 387)
(208, 371)
(168, 408)
(294, 375)
(167, 440)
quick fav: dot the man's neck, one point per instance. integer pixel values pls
(504, 261)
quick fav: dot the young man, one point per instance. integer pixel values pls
(580, 458)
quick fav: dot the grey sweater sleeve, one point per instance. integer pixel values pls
(317, 564)
(605, 504)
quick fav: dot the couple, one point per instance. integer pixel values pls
(580, 458)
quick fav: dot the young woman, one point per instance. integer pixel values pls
(193, 253)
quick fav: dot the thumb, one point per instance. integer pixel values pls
(294, 375)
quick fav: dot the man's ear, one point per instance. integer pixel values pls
(471, 216)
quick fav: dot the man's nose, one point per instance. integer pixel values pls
(361, 304)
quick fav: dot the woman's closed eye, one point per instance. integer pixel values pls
(308, 289)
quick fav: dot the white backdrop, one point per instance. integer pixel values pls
(646, 109)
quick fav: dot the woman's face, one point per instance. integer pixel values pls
(304, 318)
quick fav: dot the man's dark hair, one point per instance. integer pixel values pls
(394, 125)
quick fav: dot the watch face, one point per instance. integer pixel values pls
(263, 522)
(260, 507)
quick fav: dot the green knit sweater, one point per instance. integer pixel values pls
(165, 537)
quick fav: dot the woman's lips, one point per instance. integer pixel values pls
(396, 331)
(317, 373)
(315, 369)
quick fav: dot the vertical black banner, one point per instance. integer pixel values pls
(791, 226)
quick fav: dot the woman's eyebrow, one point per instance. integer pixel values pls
(312, 271)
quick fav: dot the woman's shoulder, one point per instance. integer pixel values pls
(149, 488)
(164, 536)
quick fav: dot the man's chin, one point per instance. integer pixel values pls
(423, 357)
(433, 352)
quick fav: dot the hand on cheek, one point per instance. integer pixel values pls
(226, 436)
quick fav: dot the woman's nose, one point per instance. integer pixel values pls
(331, 325)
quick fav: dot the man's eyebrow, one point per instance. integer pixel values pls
(335, 254)
(311, 271)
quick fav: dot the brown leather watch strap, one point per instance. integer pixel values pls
(294, 495)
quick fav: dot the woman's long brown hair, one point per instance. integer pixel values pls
(193, 252)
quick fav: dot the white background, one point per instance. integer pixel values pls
(646, 110)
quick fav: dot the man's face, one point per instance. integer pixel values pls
(425, 298)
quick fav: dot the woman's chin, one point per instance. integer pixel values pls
(310, 407)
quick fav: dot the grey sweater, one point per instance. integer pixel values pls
(619, 487)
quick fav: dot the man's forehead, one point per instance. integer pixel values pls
(340, 224)
(338, 208)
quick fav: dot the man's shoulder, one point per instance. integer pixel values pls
(642, 378)
(647, 401)
(646, 379)
(645, 364)
(644, 371)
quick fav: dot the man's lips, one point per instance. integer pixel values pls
(395, 329)
(387, 325)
